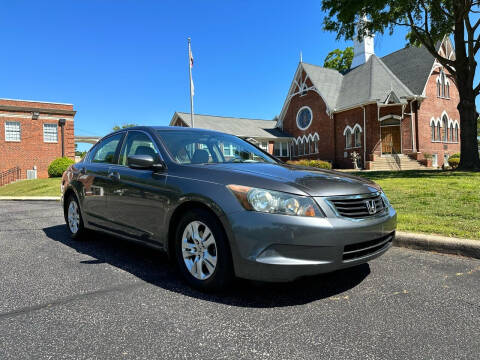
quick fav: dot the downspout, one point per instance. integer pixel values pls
(412, 125)
(364, 139)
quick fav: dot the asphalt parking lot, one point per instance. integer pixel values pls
(108, 298)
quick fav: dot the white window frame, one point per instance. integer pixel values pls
(282, 149)
(348, 137)
(311, 117)
(9, 131)
(50, 125)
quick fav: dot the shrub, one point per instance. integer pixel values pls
(453, 162)
(427, 156)
(58, 166)
(320, 164)
(454, 156)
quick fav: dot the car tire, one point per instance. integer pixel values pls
(73, 218)
(202, 251)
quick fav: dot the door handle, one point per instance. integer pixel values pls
(114, 175)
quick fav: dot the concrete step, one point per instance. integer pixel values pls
(388, 163)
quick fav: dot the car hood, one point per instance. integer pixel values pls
(315, 182)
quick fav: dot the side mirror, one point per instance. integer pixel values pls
(144, 162)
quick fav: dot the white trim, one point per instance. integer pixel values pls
(444, 113)
(386, 117)
(357, 126)
(37, 101)
(347, 128)
(28, 115)
(311, 117)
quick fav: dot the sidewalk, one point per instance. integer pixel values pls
(30, 198)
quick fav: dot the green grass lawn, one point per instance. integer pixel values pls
(433, 202)
(37, 187)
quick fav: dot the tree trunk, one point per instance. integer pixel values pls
(469, 159)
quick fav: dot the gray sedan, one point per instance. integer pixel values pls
(221, 207)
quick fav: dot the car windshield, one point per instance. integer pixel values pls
(195, 147)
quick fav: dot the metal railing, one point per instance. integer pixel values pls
(10, 175)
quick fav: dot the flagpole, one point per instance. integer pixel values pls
(190, 72)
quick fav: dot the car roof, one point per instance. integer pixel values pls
(168, 128)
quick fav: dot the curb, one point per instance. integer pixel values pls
(30, 198)
(437, 243)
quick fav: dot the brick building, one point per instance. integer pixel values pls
(31, 134)
(395, 111)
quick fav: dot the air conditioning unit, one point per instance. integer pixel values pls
(31, 174)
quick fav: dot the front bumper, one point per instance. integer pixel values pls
(271, 247)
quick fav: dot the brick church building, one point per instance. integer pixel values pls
(396, 108)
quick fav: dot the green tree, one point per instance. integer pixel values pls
(124, 126)
(428, 21)
(340, 60)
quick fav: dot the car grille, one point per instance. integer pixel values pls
(355, 207)
(359, 250)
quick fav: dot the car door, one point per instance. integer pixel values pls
(96, 182)
(139, 198)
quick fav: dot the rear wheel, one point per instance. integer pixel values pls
(202, 251)
(73, 217)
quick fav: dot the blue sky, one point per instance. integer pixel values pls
(125, 61)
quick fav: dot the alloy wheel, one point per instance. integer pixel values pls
(73, 217)
(199, 250)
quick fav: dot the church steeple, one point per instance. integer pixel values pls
(363, 49)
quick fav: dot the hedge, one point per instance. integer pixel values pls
(320, 164)
(453, 162)
(58, 166)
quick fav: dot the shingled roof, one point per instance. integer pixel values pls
(372, 81)
(412, 65)
(245, 128)
(327, 81)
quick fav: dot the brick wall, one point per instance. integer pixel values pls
(434, 106)
(31, 150)
(321, 124)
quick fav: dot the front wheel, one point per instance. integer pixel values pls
(202, 251)
(73, 217)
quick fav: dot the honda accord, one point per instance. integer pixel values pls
(221, 207)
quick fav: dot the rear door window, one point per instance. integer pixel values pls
(105, 151)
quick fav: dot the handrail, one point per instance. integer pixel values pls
(397, 158)
(10, 175)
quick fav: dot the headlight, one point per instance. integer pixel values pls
(274, 202)
(385, 199)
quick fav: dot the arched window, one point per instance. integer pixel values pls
(439, 93)
(305, 147)
(456, 132)
(358, 137)
(439, 132)
(348, 139)
(450, 135)
(447, 87)
(442, 80)
(300, 148)
(445, 127)
(432, 125)
(315, 143)
(312, 147)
